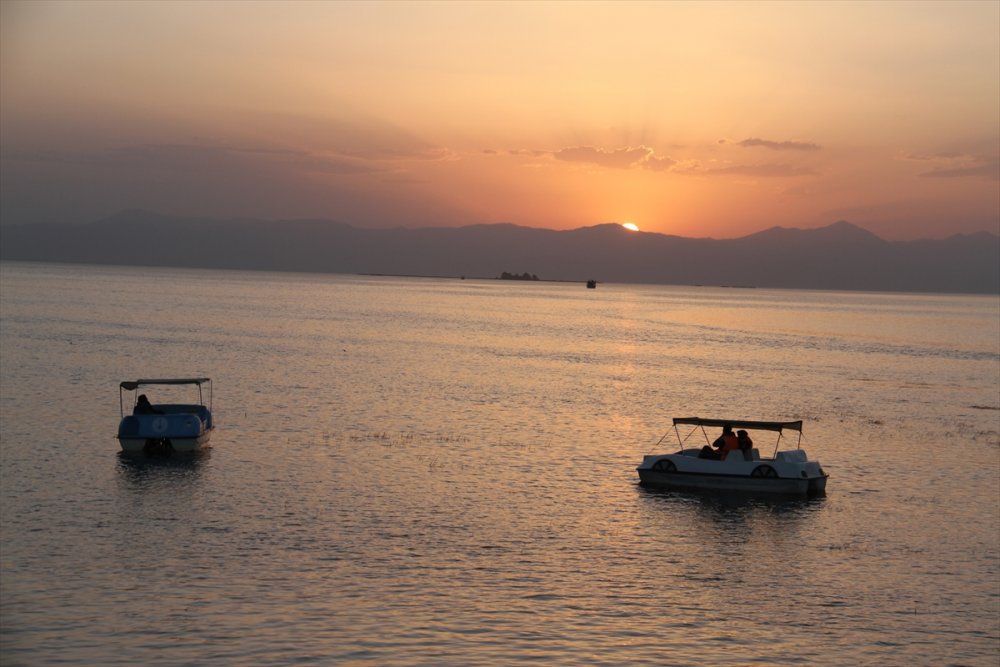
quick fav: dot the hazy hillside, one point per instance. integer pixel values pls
(840, 256)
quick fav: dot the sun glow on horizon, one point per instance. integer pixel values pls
(336, 121)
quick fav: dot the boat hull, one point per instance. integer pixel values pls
(736, 483)
(789, 473)
(172, 429)
(164, 445)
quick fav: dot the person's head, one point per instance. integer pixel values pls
(741, 433)
(727, 429)
(142, 400)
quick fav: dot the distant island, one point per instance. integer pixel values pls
(514, 276)
(840, 256)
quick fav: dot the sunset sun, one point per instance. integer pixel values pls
(630, 226)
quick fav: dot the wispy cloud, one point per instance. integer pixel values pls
(934, 157)
(620, 158)
(755, 142)
(644, 157)
(950, 164)
(754, 170)
(658, 163)
(989, 170)
(524, 152)
(404, 154)
(631, 157)
(196, 158)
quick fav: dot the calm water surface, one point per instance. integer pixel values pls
(435, 472)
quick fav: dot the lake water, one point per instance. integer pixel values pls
(442, 472)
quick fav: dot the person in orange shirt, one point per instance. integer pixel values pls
(745, 445)
(726, 442)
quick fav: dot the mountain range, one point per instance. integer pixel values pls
(841, 256)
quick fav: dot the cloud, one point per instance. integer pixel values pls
(404, 155)
(989, 171)
(195, 158)
(933, 157)
(528, 152)
(775, 145)
(753, 170)
(957, 165)
(658, 163)
(620, 158)
(644, 157)
(46, 156)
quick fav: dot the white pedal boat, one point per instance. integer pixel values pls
(788, 472)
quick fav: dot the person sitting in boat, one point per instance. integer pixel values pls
(144, 407)
(727, 442)
(746, 444)
(708, 453)
(722, 445)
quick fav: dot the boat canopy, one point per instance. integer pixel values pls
(741, 423)
(135, 384)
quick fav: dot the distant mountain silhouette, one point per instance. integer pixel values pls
(840, 256)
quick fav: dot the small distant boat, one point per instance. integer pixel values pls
(591, 284)
(164, 428)
(788, 472)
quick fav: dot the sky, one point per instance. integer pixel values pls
(704, 119)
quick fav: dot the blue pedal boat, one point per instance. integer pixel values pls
(164, 428)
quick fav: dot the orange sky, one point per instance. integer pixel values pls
(699, 119)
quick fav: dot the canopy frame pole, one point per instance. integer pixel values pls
(659, 441)
(680, 440)
(121, 399)
(201, 396)
(776, 444)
